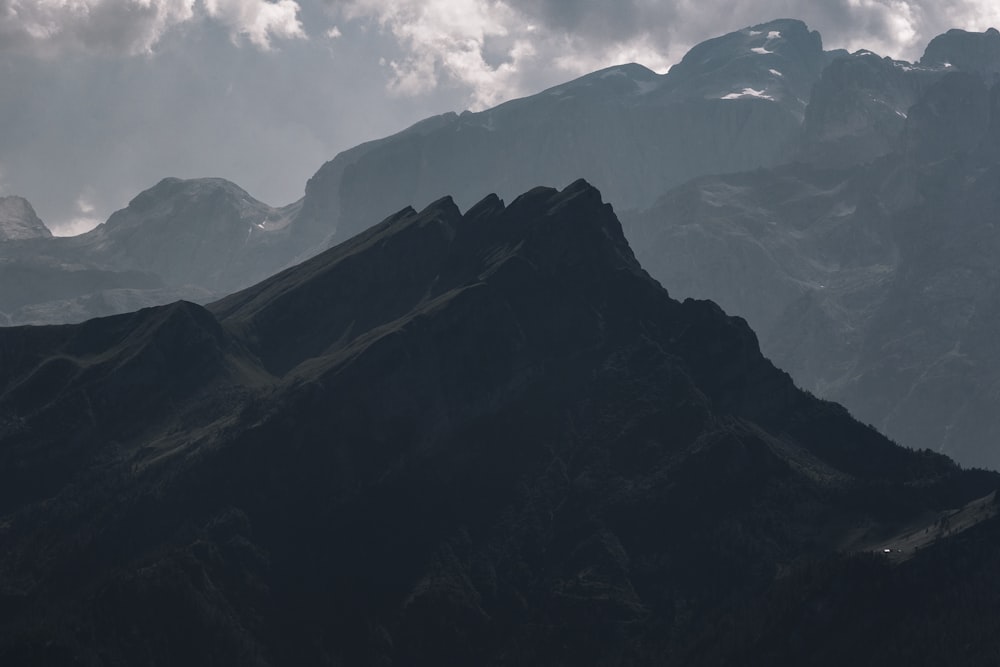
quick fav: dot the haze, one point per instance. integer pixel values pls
(102, 98)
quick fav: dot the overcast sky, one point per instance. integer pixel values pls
(99, 99)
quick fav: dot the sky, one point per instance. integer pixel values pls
(100, 99)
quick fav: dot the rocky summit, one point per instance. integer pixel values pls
(479, 438)
(18, 220)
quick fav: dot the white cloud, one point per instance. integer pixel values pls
(74, 226)
(449, 42)
(53, 27)
(84, 219)
(488, 46)
(258, 20)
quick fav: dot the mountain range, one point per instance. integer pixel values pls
(497, 428)
(467, 438)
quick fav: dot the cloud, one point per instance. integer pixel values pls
(500, 48)
(84, 219)
(491, 47)
(258, 20)
(54, 27)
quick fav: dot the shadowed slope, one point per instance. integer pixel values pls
(486, 438)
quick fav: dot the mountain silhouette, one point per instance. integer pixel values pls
(479, 438)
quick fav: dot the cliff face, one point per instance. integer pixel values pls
(872, 285)
(734, 102)
(457, 438)
(18, 221)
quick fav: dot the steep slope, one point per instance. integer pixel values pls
(752, 98)
(206, 232)
(192, 239)
(735, 102)
(486, 438)
(874, 286)
(859, 107)
(18, 220)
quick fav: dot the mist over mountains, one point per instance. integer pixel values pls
(510, 424)
(823, 257)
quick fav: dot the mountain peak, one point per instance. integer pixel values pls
(412, 259)
(774, 61)
(977, 52)
(19, 221)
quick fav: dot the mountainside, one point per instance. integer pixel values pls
(19, 221)
(849, 224)
(872, 285)
(193, 239)
(735, 102)
(486, 438)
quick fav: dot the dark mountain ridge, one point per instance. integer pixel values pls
(486, 438)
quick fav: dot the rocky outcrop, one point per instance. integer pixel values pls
(975, 52)
(859, 107)
(18, 221)
(872, 285)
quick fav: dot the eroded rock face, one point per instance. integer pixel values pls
(471, 438)
(735, 102)
(859, 107)
(872, 285)
(976, 52)
(18, 221)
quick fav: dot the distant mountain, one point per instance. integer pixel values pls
(18, 221)
(195, 239)
(734, 102)
(873, 285)
(832, 154)
(454, 439)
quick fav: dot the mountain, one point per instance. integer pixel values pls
(734, 102)
(859, 106)
(814, 173)
(194, 239)
(628, 129)
(479, 438)
(18, 220)
(874, 284)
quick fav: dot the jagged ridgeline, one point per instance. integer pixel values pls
(479, 438)
(840, 202)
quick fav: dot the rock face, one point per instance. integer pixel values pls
(810, 255)
(873, 286)
(18, 221)
(858, 108)
(204, 232)
(194, 239)
(735, 102)
(486, 438)
(976, 52)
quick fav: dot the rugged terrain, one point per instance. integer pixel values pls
(842, 203)
(874, 284)
(480, 438)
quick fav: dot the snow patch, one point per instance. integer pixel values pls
(748, 92)
(761, 50)
(775, 72)
(754, 33)
(774, 34)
